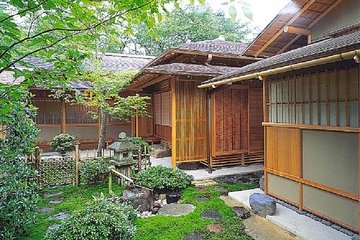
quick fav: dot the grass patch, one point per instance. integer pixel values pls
(158, 227)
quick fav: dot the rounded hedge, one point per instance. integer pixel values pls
(93, 171)
(101, 219)
(63, 143)
(162, 179)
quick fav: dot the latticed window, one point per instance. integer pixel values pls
(163, 108)
(328, 98)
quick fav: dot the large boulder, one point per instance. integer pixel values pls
(160, 151)
(140, 198)
(261, 182)
(262, 205)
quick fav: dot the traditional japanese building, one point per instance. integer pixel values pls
(311, 88)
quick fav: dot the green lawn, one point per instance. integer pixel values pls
(158, 227)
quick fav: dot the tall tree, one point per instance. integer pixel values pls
(194, 23)
(105, 96)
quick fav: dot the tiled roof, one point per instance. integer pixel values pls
(193, 69)
(316, 50)
(214, 46)
(111, 62)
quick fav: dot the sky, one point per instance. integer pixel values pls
(263, 10)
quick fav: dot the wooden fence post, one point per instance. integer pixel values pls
(77, 167)
(37, 160)
(139, 159)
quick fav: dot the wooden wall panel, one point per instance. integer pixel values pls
(163, 132)
(146, 124)
(191, 142)
(256, 131)
(283, 150)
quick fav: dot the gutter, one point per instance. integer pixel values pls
(260, 75)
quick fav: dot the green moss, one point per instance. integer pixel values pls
(158, 227)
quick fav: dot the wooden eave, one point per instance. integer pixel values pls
(274, 40)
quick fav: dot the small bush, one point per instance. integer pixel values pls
(101, 219)
(63, 143)
(96, 170)
(162, 179)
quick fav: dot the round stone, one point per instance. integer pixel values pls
(56, 200)
(59, 216)
(52, 194)
(215, 228)
(211, 214)
(194, 236)
(44, 210)
(176, 209)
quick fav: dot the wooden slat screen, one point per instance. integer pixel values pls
(79, 114)
(256, 131)
(163, 108)
(48, 112)
(231, 121)
(190, 122)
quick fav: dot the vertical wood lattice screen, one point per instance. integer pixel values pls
(79, 114)
(48, 111)
(231, 121)
(190, 122)
(163, 108)
(324, 98)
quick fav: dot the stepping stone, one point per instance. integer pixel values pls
(59, 216)
(44, 210)
(241, 212)
(56, 200)
(202, 190)
(52, 227)
(203, 199)
(211, 214)
(176, 209)
(194, 236)
(222, 190)
(52, 194)
(215, 228)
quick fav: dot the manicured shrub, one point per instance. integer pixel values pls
(101, 219)
(63, 143)
(162, 179)
(96, 170)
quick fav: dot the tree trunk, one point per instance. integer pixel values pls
(102, 134)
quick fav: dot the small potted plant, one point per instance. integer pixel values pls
(164, 180)
(63, 143)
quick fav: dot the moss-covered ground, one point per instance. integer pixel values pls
(153, 228)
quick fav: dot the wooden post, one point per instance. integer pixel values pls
(136, 124)
(242, 159)
(63, 116)
(266, 88)
(110, 181)
(37, 156)
(139, 159)
(77, 167)
(173, 123)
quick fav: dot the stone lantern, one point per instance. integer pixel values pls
(123, 155)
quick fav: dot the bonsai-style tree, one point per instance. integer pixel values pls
(106, 97)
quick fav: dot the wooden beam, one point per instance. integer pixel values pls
(153, 81)
(296, 30)
(292, 20)
(283, 49)
(63, 116)
(173, 123)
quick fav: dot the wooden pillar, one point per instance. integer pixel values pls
(208, 131)
(77, 165)
(173, 123)
(359, 146)
(63, 116)
(136, 125)
(266, 119)
(301, 172)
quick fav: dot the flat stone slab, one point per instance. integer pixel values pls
(56, 200)
(176, 209)
(252, 177)
(211, 214)
(59, 216)
(203, 199)
(52, 194)
(44, 210)
(53, 227)
(194, 236)
(222, 190)
(215, 228)
(241, 212)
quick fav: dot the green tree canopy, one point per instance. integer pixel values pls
(194, 23)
